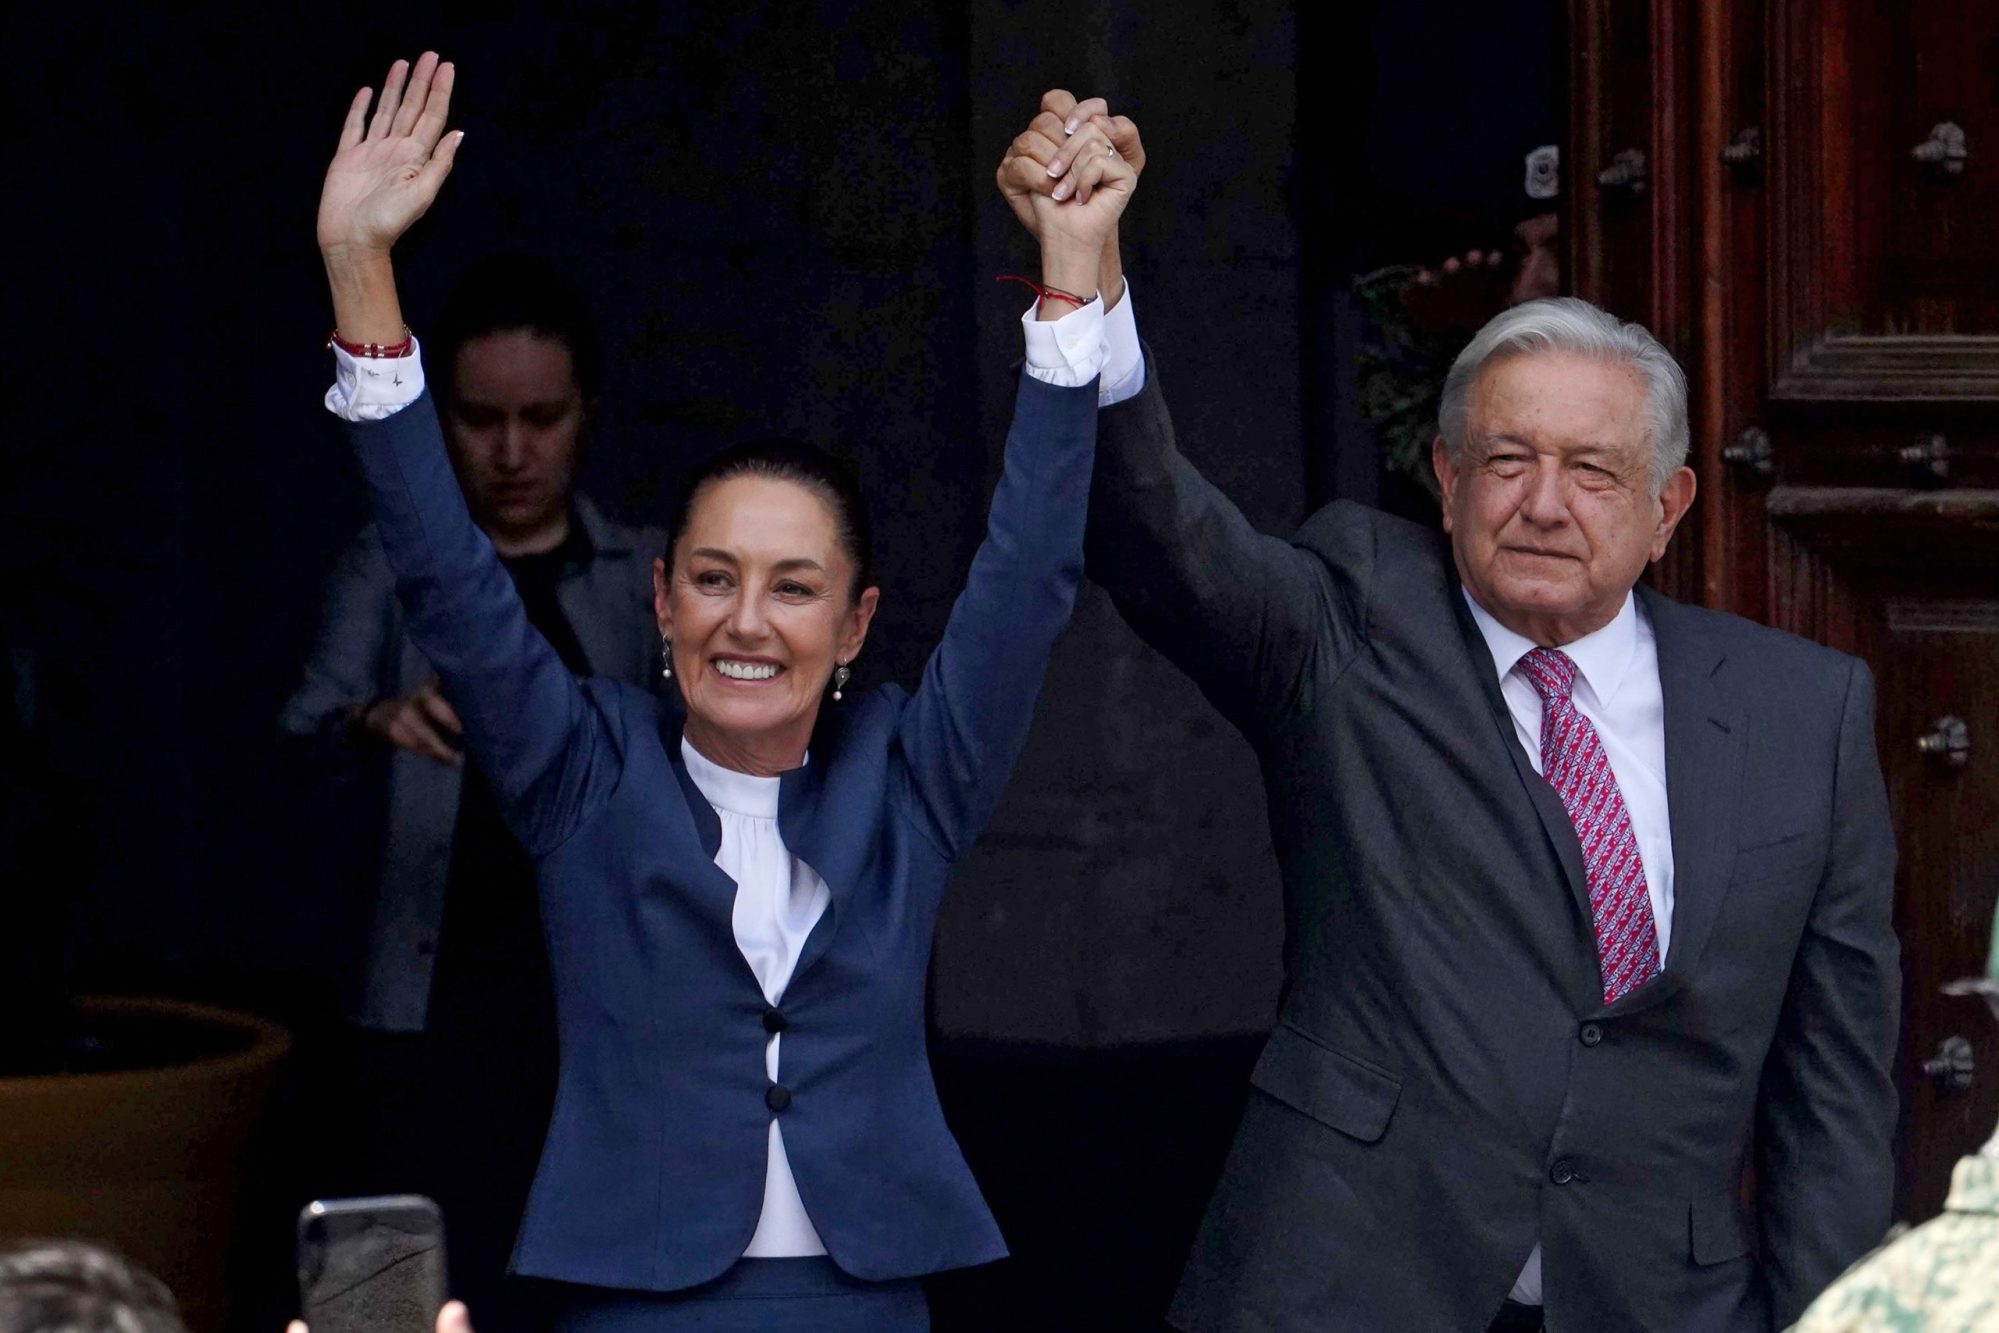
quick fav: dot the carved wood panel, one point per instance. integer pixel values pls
(1834, 298)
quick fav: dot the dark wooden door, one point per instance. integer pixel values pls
(1813, 226)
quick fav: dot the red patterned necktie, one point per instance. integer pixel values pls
(1573, 761)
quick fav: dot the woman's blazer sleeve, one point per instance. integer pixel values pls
(962, 733)
(537, 735)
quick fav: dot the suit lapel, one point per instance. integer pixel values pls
(714, 886)
(1555, 819)
(1705, 732)
(805, 823)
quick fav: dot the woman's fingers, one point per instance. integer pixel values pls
(1098, 171)
(390, 100)
(440, 712)
(1087, 109)
(1124, 137)
(414, 732)
(414, 95)
(437, 108)
(1087, 174)
(434, 171)
(453, 1318)
(356, 124)
(1085, 142)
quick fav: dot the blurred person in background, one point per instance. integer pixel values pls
(1943, 1276)
(74, 1286)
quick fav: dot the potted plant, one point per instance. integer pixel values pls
(125, 1120)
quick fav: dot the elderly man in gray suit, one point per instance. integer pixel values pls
(1591, 983)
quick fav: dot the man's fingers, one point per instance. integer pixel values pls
(454, 1318)
(1023, 175)
(1059, 102)
(430, 126)
(414, 95)
(356, 124)
(1049, 126)
(1087, 109)
(391, 98)
(1036, 147)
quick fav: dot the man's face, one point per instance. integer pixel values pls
(515, 420)
(1550, 510)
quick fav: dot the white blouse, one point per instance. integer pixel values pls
(778, 900)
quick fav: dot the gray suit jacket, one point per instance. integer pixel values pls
(1445, 1086)
(361, 654)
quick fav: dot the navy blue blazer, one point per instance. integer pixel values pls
(652, 1174)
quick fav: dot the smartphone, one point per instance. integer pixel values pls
(371, 1265)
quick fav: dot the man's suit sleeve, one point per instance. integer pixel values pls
(1828, 1103)
(346, 668)
(1247, 615)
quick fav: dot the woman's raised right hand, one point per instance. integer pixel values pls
(388, 169)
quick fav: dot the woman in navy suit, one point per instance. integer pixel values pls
(739, 884)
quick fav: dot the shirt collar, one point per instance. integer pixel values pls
(726, 789)
(600, 535)
(1601, 656)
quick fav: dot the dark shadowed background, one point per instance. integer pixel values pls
(783, 217)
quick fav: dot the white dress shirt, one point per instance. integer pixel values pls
(778, 897)
(1617, 689)
(778, 900)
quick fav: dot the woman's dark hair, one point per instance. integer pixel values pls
(826, 475)
(510, 292)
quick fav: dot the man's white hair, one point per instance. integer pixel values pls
(1572, 325)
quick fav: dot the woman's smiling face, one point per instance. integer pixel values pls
(760, 608)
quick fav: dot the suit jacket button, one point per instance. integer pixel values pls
(1562, 1172)
(777, 1097)
(774, 1020)
(1591, 1034)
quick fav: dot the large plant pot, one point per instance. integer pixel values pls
(149, 1159)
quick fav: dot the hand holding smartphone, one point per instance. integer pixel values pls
(374, 1265)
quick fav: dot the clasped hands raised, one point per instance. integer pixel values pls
(1070, 154)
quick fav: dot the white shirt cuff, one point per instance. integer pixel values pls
(372, 388)
(1085, 344)
(1066, 352)
(1124, 355)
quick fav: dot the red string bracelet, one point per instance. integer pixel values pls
(1046, 293)
(374, 351)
